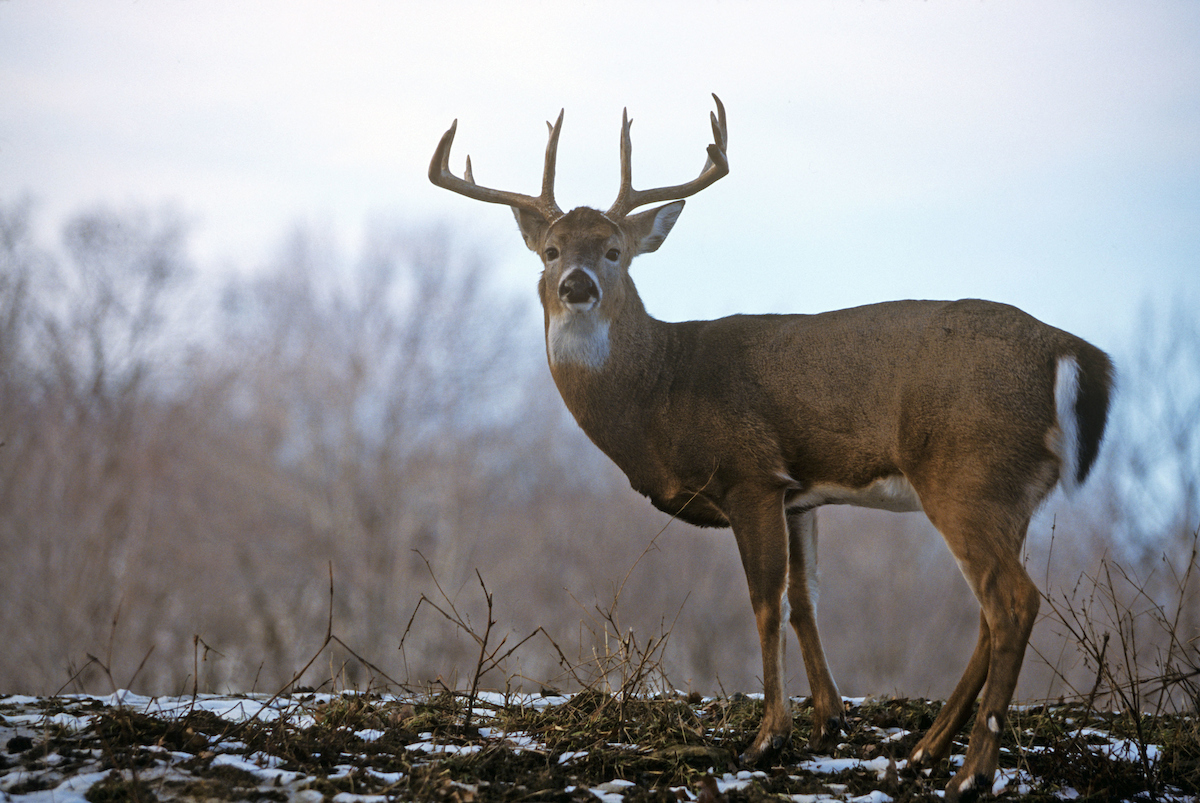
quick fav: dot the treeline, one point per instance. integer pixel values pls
(186, 463)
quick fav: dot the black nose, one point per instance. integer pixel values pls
(578, 288)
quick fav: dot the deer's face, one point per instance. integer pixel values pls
(585, 260)
(585, 256)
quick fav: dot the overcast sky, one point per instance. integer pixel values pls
(1042, 154)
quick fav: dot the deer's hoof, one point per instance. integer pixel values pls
(969, 789)
(769, 749)
(823, 740)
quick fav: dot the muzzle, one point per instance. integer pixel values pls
(577, 288)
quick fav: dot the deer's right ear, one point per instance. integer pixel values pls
(533, 228)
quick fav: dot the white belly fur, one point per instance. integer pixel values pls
(893, 493)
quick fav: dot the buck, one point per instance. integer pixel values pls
(969, 411)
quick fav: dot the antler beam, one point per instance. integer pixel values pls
(715, 167)
(543, 205)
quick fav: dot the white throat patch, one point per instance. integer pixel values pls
(578, 340)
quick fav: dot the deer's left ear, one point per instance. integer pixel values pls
(650, 228)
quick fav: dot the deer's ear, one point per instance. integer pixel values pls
(533, 228)
(651, 227)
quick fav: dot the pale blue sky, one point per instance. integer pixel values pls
(1042, 154)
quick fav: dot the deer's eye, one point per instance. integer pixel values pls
(613, 254)
(551, 254)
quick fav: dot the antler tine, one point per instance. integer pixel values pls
(720, 133)
(716, 166)
(622, 205)
(550, 165)
(542, 205)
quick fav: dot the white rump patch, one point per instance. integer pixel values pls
(578, 340)
(1064, 439)
(894, 493)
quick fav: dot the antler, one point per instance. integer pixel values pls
(543, 205)
(715, 167)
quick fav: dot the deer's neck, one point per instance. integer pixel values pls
(623, 404)
(609, 373)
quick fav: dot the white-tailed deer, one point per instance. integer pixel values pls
(967, 410)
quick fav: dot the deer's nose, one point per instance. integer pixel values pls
(577, 287)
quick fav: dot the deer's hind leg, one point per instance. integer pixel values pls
(986, 541)
(935, 744)
(828, 711)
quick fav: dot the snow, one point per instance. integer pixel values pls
(71, 790)
(832, 766)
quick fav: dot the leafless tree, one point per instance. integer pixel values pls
(175, 465)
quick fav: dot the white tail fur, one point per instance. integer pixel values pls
(1066, 441)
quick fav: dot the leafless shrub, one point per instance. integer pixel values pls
(1140, 656)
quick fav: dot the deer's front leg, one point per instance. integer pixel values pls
(828, 712)
(756, 516)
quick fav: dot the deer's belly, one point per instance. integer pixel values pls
(893, 493)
